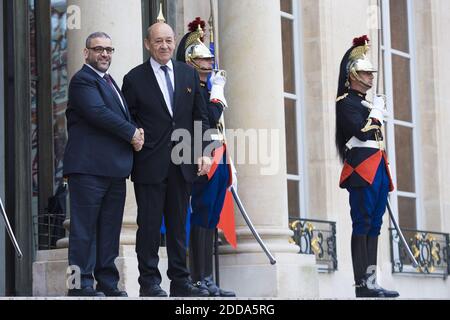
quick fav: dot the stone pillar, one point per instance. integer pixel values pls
(121, 20)
(251, 53)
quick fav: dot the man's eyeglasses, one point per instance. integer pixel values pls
(100, 49)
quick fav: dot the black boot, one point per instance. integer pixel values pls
(372, 247)
(197, 259)
(363, 290)
(199, 256)
(359, 257)
(360, 263)
(214, 290)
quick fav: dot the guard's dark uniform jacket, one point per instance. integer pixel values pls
(360, 164)
(215, 109)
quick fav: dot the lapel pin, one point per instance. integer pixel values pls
(189, 90)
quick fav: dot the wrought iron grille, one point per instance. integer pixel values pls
(316, 237)
(49, 229)
(431, 250)
(48, 224)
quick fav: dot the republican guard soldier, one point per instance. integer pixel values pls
(208, 192)
(365, 174)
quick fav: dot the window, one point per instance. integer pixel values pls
(292, 109)
(402, 127)
(49, 97)
(60, 84)
(34, 114)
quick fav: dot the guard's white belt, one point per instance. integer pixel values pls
(217, 137)
(354, 142)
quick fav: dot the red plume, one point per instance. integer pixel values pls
(361, 40)
(193, 26)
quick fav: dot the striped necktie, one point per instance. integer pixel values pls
(169, 85)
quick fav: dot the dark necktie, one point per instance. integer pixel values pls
(108, 79)
(169, 85)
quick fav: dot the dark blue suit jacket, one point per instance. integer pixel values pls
(99, 129)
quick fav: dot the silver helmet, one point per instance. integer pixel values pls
(196, 49)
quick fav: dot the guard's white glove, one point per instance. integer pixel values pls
(379, 103)
(218, 81)
(377, 114)
(234, 182)
(377, 109)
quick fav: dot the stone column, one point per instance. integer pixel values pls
(251, 53)
(121, 20)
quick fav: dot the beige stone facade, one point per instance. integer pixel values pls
(251, 52)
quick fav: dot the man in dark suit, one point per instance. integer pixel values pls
(165, 99)
(97, 160)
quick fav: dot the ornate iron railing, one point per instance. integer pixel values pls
(431, 250)
(48, 230)
(316, 237)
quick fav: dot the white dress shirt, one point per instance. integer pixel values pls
(161, 78)
(102, 74)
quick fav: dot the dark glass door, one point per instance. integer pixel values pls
(49, 86)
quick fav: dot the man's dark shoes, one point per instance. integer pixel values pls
(215, 291)
(85, 292)
(153, 291)
(113, 292)
(187, 289)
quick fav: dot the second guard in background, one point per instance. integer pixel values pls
(365, 174)
(208, 192)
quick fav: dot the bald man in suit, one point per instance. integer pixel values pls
(164, 96)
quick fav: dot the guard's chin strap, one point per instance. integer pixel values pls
(358, 78)
(199, 68)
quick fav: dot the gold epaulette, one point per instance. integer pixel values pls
(369, 126)
(341, 97)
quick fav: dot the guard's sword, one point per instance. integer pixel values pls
(250, 226)
(10, 231)
(402, 238)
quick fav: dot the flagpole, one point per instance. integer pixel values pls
(213, 34)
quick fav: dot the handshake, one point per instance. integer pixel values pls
(138, 139)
